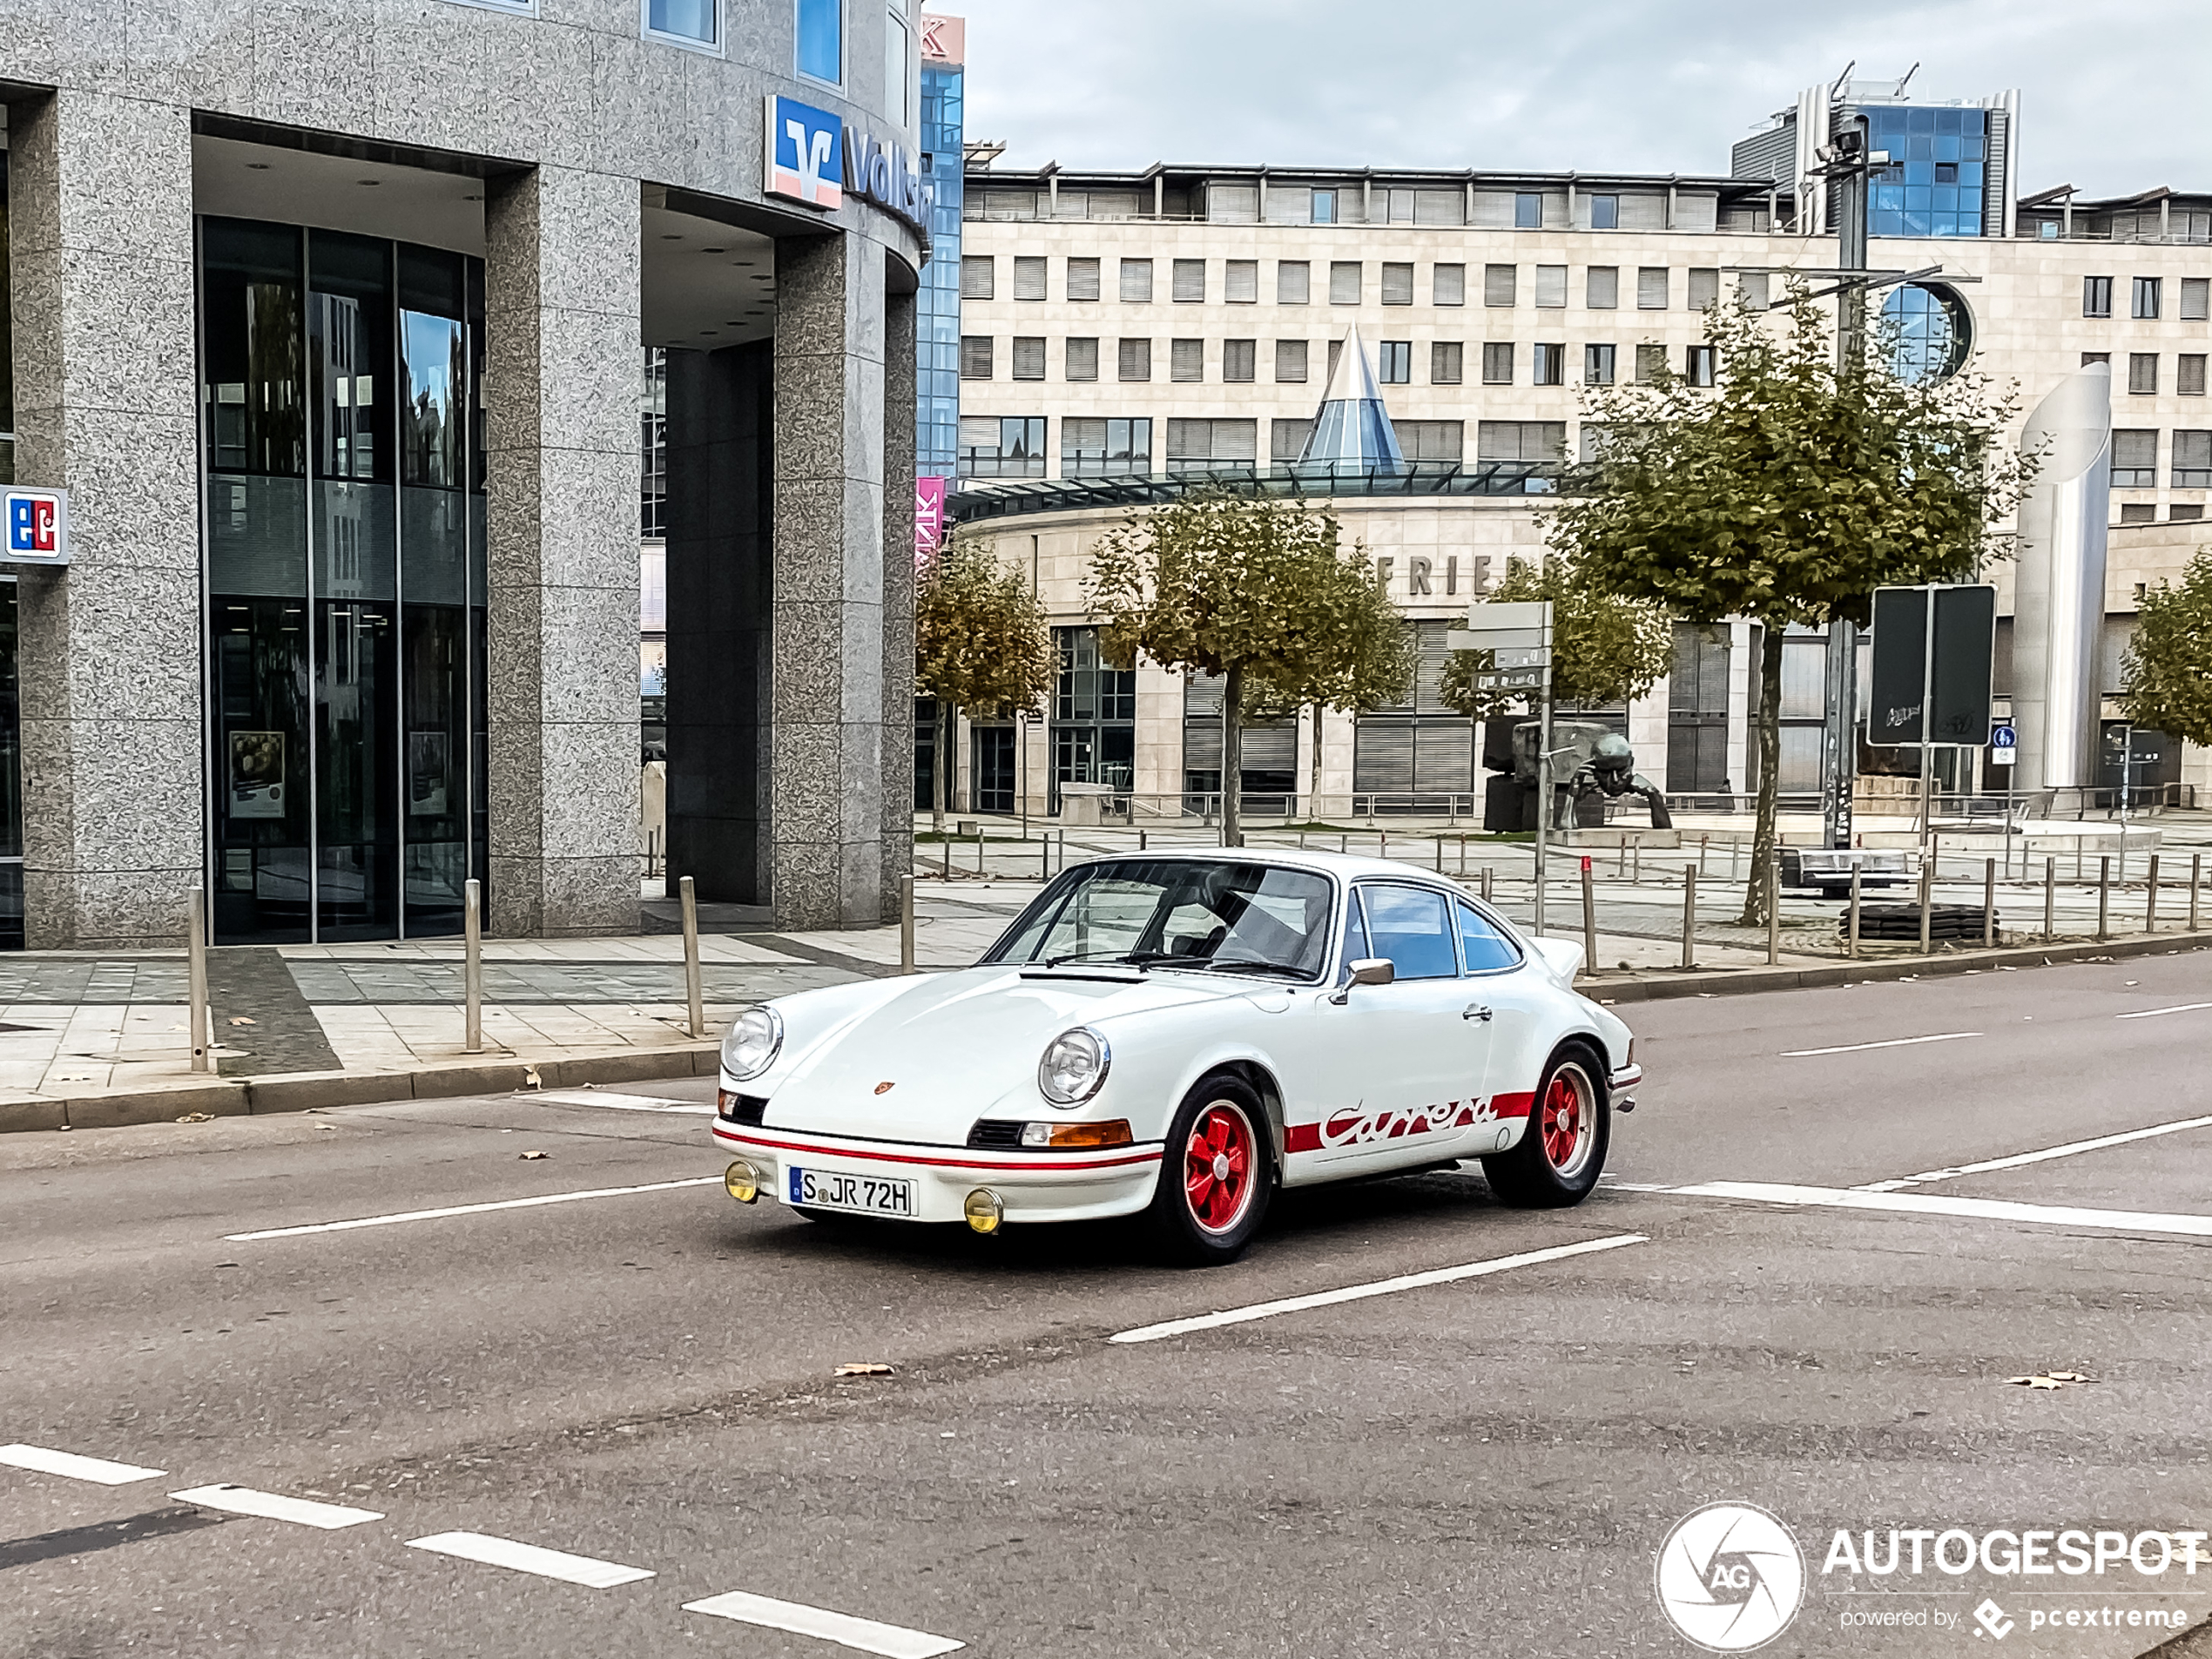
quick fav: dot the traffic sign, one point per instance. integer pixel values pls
(2004, 746)
(1904, 681)
(1509, 680)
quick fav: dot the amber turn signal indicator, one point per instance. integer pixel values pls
(1065, 1137)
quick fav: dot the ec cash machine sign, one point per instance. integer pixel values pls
(38, 524)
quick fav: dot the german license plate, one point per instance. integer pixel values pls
(868, 1194)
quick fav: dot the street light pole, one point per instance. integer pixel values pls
(1839, 732)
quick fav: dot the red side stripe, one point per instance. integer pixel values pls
(1306, 1137)
(1053, 1161)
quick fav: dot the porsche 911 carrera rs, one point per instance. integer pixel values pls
(1176, 1037)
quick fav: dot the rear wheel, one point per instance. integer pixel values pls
(1217, 1175)
(1562, 1152)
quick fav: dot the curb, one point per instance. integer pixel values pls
(1745, 981)
(310, 1090)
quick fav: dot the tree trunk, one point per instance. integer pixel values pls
(1313, 797)
(1769, 731)
(1232, 756)
(939, 770)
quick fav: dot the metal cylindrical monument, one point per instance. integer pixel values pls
(2060, 630)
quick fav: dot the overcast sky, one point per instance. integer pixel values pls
(2113, 94)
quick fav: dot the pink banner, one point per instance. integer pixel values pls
(929, 516)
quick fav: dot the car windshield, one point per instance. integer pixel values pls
(1228, 916)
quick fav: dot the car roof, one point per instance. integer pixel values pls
(1346, 867)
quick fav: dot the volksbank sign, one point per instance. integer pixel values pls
(813, 157)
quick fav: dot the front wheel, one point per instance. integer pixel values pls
(1562, 1152)
(1217, 1176)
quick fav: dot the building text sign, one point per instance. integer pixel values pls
(813, 157)
(38, 524)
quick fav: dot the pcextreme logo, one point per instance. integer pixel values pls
(1730, 1577)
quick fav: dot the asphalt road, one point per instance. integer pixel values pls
(1489, 1465)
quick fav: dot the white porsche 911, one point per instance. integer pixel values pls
(1177, 1035)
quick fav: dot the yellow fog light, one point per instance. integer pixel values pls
(984, 1210)
(742, 1182)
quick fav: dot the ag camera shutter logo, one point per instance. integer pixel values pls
(1730, 1577)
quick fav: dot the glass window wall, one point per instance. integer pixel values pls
(344, 578)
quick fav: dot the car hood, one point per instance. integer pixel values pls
(953, 1047)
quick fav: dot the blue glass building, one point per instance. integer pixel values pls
(937, 316)
(1933, 184)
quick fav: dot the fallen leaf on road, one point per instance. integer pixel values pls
(862, 1370)
(531, 1078)
(2135, 982)
(534, 1155)
(327, 1128)
(197, 1117)
(240, 1019)
(2051, 1379)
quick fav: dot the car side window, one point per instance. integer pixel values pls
(1482, 945)
(1411, 926)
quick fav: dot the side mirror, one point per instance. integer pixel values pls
(1373, 970)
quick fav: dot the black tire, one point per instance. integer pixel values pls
(1209, 1225)
(1557, 1164)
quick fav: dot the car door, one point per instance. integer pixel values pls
(1498, 1001)
(1398, 1069)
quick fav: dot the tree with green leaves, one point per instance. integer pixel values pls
(1258, 592)
(1787, 493)
(1605, 649)
(980, 643)
(2169, 660)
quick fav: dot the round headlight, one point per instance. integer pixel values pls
(751, 1046)
(1073, 1065)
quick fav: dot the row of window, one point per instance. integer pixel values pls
(818, 31)
(2146, 297)
(2135, 459)
(2142, 372)
(1189, 282)
(1237, 362)
(1013, 446)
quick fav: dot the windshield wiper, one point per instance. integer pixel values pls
(1135, 959)
(1249, 968)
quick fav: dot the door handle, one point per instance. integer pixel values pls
(1475, 1011)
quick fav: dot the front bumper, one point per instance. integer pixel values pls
(1619, 1087)
(1042, 1186)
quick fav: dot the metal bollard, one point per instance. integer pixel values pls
(472, 966)
(1589, 916)
(1382, 843)
(2104, 899)
(944, 846)
(1142, 843)
(2150, 904)
(1044, 856)
(1705, 846)
(1927, 903)
(1635, 862)
(1344, 845)
(692, 993)
(905, 924)
(1851, 930)
(196, 978)
(1463, 857)
(2196, 869)
(2050, 897)
(1774, 912)
(1988, 903)
(1690, 915)
(979, 853)
(1439, 855)
(1486, 873)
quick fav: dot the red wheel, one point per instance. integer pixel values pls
(1568, 1122)
(1217, 1176)
(1217, 1167)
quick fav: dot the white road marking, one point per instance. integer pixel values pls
(274, 1505)
(2049, 1152)
(529, 1558)
(2152, 1013)
(97, 1469)
(865, 1634)
(1381, 1287)
(468, 1209)
(1894, 1043)
(1932, 1203)
(623, 1102)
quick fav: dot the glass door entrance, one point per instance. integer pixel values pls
(346, 582)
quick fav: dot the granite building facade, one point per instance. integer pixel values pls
(327, 319)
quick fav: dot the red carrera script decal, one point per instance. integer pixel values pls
(1350, 1127)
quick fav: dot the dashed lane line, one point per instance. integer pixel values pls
(1381, 1287)
(890, 1641)
(2152, 1013)
(531, 1558)
(1893, 1042)
(623, 1102)
(467, 1210)
(274, 1505)
(2018, 1159)
(1933, 1203)
(95, 1469)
